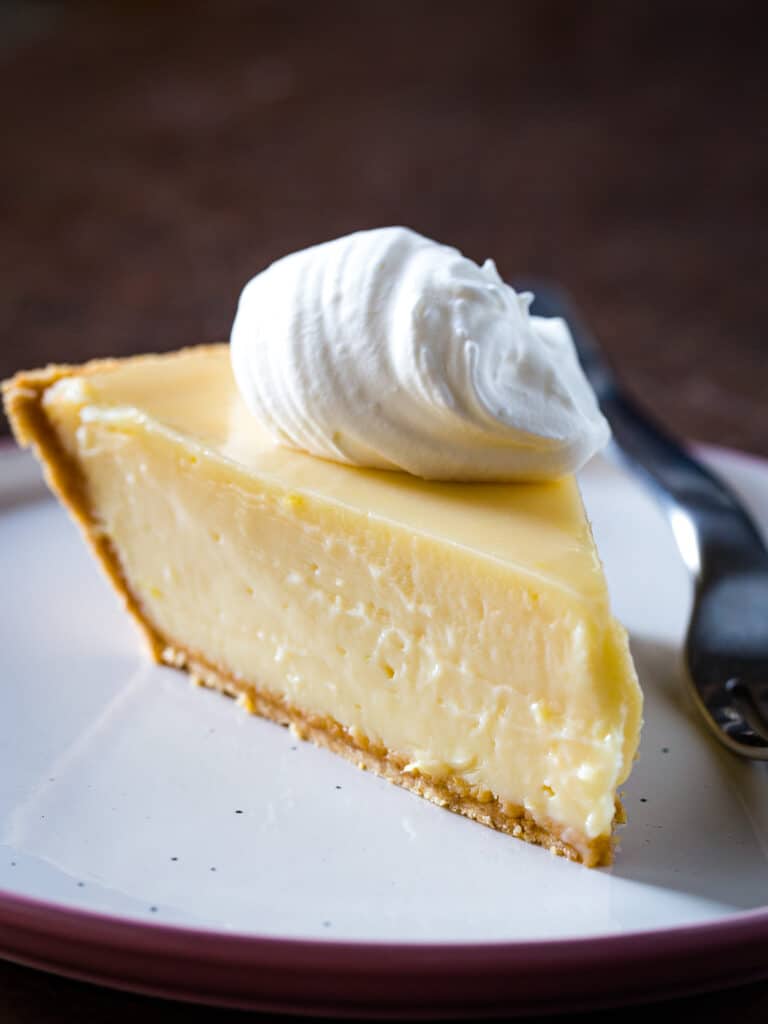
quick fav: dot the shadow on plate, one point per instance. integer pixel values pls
(698, 815)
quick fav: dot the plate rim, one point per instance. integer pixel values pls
(349, 978)
(358, 979)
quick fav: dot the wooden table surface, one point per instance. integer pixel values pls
(155, 156)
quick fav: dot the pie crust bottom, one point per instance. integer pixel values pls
(451, 792)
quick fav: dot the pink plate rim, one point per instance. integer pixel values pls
(380, 980)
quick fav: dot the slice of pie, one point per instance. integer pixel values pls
(454, 638)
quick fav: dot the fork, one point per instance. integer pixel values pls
(726, 646)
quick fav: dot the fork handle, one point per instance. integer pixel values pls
(713, 531)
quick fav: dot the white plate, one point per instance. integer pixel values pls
(126, 791)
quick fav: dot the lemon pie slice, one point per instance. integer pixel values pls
(456, 639)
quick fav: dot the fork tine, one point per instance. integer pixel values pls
(732, 714)
(758, 695)
(743, 700)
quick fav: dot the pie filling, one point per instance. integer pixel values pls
(458, 637)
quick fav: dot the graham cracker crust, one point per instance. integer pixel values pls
(23, 401)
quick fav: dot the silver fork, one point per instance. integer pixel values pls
(726, 647)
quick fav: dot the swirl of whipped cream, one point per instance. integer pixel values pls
(388, 350)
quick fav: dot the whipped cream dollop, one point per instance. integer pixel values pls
(388, 350)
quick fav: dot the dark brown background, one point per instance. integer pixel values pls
(155, 156)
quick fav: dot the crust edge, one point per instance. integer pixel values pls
(23, 402)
